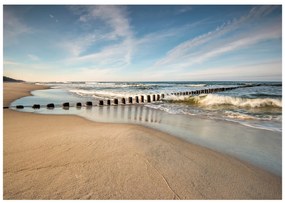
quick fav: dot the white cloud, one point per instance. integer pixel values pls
(13, 27)
(113, 16)
(117, 55)
(33, 57)
(199, 49)
(270, 32)
(9, 62)
(80, 44)
(184, 9)
(269, 70)
(261, 71)
(54, 18)
(119, 33)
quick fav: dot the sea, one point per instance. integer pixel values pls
(244, 122)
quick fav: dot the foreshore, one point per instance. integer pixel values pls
(68, 157)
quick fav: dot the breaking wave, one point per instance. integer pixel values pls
(196, 85)
(216, 100)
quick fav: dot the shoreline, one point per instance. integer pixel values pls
(15, 90)
(226, 137)
(166, 167)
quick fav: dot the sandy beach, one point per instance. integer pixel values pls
(68, 157)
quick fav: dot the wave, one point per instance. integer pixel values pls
(236, 115)
(196, 85)
(243, 116)
(103, 94)
(99, 94)
(116, 85)
(217, 100)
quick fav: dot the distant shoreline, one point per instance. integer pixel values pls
(16, 90)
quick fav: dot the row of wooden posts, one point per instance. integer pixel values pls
(136, 99)
(131, 100)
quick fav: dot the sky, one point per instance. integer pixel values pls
(142, 43)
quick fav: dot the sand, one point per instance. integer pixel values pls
(68, 157)
(13, 91)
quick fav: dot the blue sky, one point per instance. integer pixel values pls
(142, 43)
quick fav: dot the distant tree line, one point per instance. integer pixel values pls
(7, 79)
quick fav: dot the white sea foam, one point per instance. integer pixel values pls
(211, 100)
(237, 115)
(107, 94)
(99, 93)
(257, 126)
(215, 100)
(196, 85)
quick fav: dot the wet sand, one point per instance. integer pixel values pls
(68, 157)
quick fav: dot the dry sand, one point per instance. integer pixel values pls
(13, 91)
(68, 157)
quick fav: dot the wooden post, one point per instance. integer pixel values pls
(101, 103)
(158, 97)
(66, 104)
(78, 105)
(137, 99)
(130, 100)
(142, 99)
(89, 103)
(123, 101)
(148, 98)
(36, 106)
(50, 106)
(153, 97)
(108, 102)
(19, 106)
(116, 102)
(162, 96)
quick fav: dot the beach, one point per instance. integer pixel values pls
(68, 157)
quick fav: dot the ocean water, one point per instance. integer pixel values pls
(258, 107)
(245, 123)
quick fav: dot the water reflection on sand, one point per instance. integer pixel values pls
(260, 147)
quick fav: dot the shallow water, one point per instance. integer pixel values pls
(257, 107)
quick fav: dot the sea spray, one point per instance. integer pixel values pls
(212, 100)
(219, 100)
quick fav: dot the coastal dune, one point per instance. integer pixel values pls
(68, 157)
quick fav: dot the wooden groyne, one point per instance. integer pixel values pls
(139, 99)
